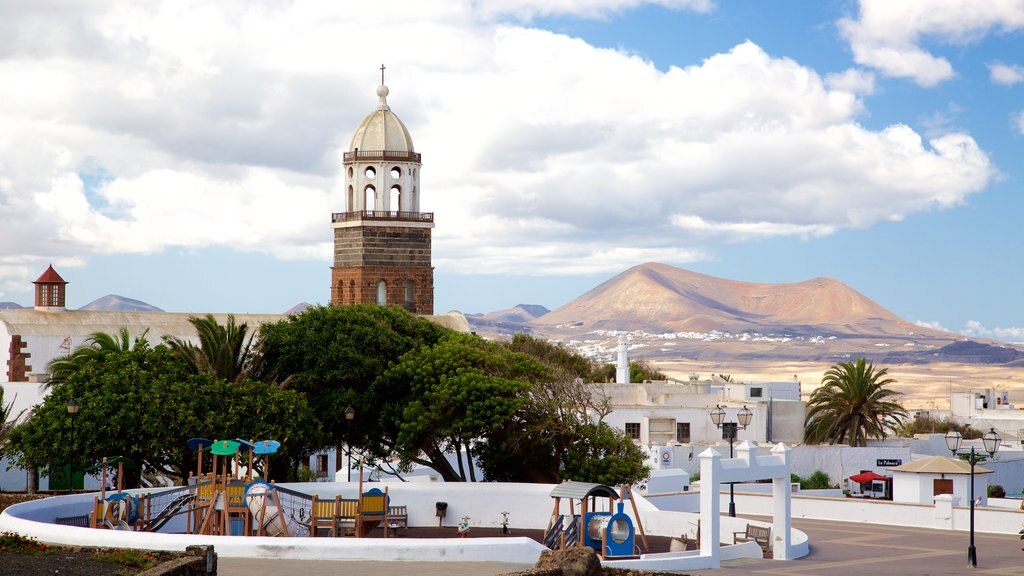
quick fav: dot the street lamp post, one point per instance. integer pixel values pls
(729, 432)
(350, 414)
(72, 410)
(991, 441)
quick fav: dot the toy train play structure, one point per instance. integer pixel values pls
(610, 532)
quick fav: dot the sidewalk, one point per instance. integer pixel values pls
(269, 567)
(837, 549)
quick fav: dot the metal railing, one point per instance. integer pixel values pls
(395, 155)
(382, 215)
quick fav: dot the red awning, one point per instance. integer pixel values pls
(867, 477)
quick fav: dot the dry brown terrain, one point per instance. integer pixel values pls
(925, 386)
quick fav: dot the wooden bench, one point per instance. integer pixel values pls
(79, 521)
(398, 517)
(760, 534)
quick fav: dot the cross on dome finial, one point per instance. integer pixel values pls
(382, 91)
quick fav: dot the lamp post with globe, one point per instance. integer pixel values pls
(729, 432)
(991, 441)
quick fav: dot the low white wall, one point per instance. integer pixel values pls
(529, 505)
(987, 519)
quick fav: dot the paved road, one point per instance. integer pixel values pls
(837, 549)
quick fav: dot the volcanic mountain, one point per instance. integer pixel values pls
(658, 298)
(669, 314)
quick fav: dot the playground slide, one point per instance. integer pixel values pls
(171, 511)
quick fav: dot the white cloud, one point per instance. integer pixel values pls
(977, 329)
(887, 35)
(934, 325)
(853, 81)
(1017, 118)
(527, 9)
(1006, 74)
(542, 154)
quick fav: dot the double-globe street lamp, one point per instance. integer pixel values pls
(72, 411)
(991, 441)
(729, 433)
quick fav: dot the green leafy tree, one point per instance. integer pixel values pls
(96, 346)
(144, 404)
(224, 351)
(604, 455)
(852, 404)
(559, 434)
(334, 354)
(462, 389)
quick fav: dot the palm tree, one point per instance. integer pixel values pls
(852, 405)
(7, 421)
(223, 351)
(94, 349)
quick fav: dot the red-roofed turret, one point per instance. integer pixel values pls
(50, 290)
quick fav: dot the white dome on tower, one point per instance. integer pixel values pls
(382, 130)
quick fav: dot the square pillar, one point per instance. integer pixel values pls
(782, 505)
(710, 506)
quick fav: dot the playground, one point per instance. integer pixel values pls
(226, 504)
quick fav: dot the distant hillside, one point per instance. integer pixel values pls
(113, 302)
(673, 314)
(659, 298)
(510, 321)
(4, 305)
(301, 306)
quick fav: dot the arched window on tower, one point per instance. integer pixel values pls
(351, 198)
(410, 295)
(396, 198)
(371, 198)
(340, 298)
(382, 293)
(351, 291)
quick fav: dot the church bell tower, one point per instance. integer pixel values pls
(382, 240)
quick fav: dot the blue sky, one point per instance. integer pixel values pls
(187, 155)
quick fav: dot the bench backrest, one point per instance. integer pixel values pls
(758, 532)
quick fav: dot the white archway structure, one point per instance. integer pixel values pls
(747, 466)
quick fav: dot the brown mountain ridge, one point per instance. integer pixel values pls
(671, 313)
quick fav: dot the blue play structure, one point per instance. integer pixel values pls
(610, 533)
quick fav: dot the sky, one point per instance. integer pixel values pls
(188, 154)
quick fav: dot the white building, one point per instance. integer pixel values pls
(659, 413)
(922, 480)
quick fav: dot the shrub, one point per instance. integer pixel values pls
(996, 491)
(818, 480)
(17, 544)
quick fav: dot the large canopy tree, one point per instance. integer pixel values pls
(852, 404)
(420, 390)
(333, 355)
(144, 404)
(461, 389)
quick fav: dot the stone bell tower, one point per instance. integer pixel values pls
(382, 240)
